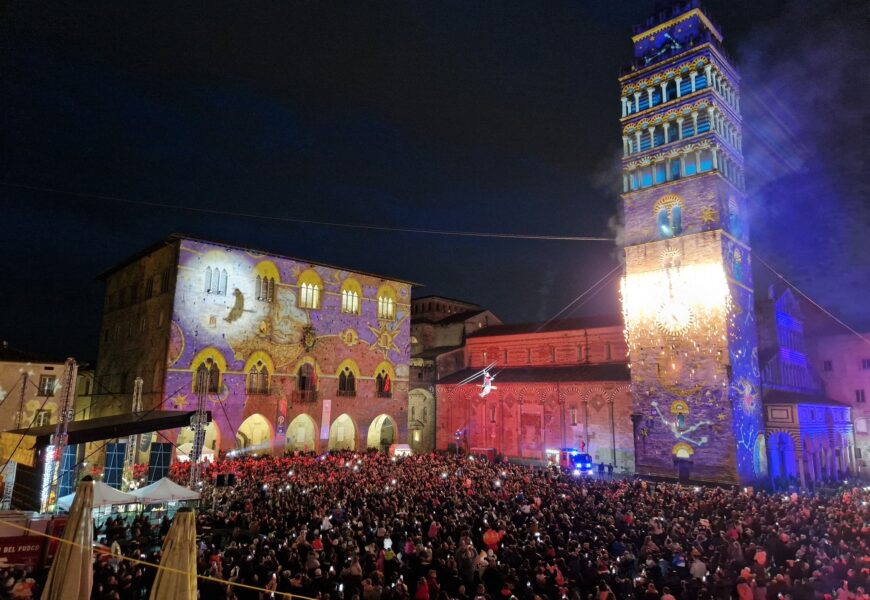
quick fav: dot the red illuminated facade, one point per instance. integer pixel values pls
(563, 385)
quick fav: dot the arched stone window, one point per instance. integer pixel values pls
(386, 303)
(310, 286)
(306, 378)
(669, 216)
(351, 295)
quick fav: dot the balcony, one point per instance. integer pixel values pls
(304, 396)
(347, 393)
(383, 394)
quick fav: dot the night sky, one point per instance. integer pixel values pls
(482, 116)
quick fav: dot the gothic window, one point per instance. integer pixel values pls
(306, 380)
(346, 383)
(208, 375)
(384, 385)
(258, 378)
(265, 288)
(386, 303)
(310, 286)
(351, 294)
(669, 218)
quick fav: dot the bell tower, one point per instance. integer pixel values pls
(687, 292)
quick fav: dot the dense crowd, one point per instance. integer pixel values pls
(368, 527)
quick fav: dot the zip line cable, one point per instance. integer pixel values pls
(364, 226)
(810, 300)
(577, 299)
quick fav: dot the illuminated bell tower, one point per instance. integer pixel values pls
(687, 292)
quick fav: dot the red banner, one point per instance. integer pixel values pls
(25, 550)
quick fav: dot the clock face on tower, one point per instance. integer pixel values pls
(674, 318)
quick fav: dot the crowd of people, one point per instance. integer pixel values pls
(443, 527)
(367, 526)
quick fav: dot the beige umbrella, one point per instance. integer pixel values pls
(178, 582)
(72, 571)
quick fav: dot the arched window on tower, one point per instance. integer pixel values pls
(669, 217)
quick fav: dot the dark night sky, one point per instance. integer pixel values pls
(485, 116)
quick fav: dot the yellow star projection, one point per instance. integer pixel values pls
(385, 336)
(709, 215)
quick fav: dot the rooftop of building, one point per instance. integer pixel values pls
(16, 355)
(595, 322)
(770, 396)
(451, 318)
(177, 237)
(568, 373)
(444, 298)
(430, 353)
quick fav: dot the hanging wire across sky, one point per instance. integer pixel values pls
(215, 211)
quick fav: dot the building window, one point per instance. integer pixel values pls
(306, 380)
(149, 288)
(42, 418)
(265, 291)
(492, 413)
(164, 280)
(669, 217)
(859, 396)
(828, 366)
(258, 379)
(346, 383)
(309, 295)
(47, 385)
(386, 308)
(216, 281)
(608, 353)
(865, 363)
(387, 303)
(573, 415)
(143, 324)
(208, 376)
(384, 385)
(417, 435)
(349, 302)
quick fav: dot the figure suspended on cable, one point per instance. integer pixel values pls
(487, 383)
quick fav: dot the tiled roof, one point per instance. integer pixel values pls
(590, 372)
(783, 397)
(559, 325)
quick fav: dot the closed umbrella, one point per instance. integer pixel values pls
(178, 582)
(72, 572)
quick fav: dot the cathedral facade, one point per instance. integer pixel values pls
(687, 292)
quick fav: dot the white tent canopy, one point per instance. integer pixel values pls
(163, 490)
(104, 495)
(183, 452)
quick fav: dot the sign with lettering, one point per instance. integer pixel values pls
(19, 448)
(25, 550)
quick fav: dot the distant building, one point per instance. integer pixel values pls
(809, 435)
(289, 354)
(842, 362)
(563, 384)
(439, 327)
